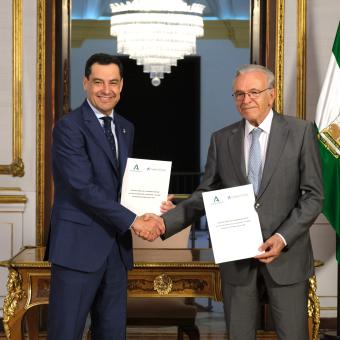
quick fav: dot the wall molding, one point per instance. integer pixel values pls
(12, 199)
(16, 168)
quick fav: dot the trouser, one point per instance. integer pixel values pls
(75, 294)
(288, 304)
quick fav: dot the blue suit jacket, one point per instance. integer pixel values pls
(86, 216)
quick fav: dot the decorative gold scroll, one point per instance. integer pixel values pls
(314, 307)
(16, 168)
(14, 294)
(163, 284)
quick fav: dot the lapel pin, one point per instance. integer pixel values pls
(124, 131)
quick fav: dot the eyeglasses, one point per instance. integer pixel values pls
(239, 96)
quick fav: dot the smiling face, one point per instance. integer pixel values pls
(256, 109)
(103, 87)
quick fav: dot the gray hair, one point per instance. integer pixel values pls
(259, 68)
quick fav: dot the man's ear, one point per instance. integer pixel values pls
(85, 83)
(121, 84)
(272, 96)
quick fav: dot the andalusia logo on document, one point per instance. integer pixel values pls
(217, 200)
(136, 168)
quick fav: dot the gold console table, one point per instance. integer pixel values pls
(162, 273)
(156, 273)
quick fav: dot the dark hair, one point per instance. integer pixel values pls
(102, 59)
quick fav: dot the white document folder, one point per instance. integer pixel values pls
(233, 223)
(145, 185)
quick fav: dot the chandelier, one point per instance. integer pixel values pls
(156, 33)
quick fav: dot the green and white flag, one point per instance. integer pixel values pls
(328, 123)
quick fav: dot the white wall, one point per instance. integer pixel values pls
(17, 221)
(322, 24)
(322, 21)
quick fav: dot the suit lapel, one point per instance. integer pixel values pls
(97, 132)
(236, 150)
(277, 141)
(123, 136)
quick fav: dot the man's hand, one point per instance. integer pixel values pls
(167, 205)
(272, 249)
(148, 226)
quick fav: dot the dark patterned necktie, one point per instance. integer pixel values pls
(110, 137)
(255, 161)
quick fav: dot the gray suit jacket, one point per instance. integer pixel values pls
(289, 199)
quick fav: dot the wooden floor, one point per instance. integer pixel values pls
(210, 324)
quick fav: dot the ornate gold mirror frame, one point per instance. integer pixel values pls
(274, 56)
(279, 54)
(301, 66)
(41, 121)
(16, 168)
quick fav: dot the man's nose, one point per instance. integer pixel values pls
(246, 98)
(105, 87)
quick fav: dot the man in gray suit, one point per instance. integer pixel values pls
(289, 195)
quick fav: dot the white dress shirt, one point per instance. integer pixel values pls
(264, 137)
(100, 115)
(265, 126)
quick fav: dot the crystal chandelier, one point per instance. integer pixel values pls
(156, 33)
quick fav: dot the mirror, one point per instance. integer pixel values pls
(225, 46)
(53, 65)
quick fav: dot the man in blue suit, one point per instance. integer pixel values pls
(90, 239)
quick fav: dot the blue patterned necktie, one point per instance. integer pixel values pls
(110, 137)
(255, 162)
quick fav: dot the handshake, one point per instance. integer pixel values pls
(150, 226)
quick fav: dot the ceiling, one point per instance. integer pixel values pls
(214, 9)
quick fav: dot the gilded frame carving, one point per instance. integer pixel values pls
(301, 66)
(279, 54)
(40, 124)
(16, 168)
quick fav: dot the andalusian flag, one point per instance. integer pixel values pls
(328, 122)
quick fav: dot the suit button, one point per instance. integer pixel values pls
(257, 205)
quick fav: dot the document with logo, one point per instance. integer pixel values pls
(145, 185)
(233, 223)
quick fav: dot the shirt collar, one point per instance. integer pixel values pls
(98, 113)
(264, 126)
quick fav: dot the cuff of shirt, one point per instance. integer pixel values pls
(283, 239)
(133, 223)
